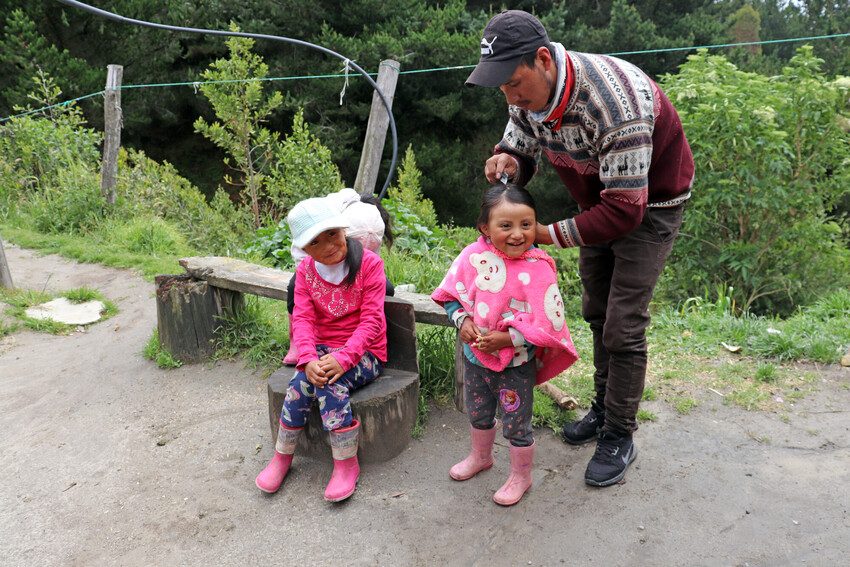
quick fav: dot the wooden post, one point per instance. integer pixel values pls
(459, 399)
(5, 276)
(112, 122)
(376, 131)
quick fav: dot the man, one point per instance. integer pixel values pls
(618, 146)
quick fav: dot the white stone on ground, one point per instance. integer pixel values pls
(63, 311)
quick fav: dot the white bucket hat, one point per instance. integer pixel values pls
(311, 217)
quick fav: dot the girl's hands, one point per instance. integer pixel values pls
(469, 332)
(493, 341)
(331, 367)
(315, 373)
(323, 372)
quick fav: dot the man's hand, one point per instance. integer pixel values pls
(498, 164)
(493, 341)
(542, 235)
(469, 332)
(315, 374)
(331, 367)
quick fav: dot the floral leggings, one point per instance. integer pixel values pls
(334, 405)
(511, 390)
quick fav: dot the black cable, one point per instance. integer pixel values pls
(143, 23)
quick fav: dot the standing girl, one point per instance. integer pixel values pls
(340, 332)
(502, 294)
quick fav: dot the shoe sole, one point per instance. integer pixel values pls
(345, 497)
(616, 479)
(461, 479)
(266, 490)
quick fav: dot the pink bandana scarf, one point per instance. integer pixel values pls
(499, 292)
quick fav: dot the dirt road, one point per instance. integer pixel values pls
(108, 460)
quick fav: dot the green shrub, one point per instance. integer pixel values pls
(771, 166)
(150, 236)
(150, 189)
(407, 192)
(301, 168)
(73, 205)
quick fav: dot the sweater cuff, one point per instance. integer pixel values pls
(565, 234)
(459, 316)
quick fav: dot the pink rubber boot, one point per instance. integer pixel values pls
(291, 356)
(271, 477)
(346, 471)
(480, 456)
(519, 481)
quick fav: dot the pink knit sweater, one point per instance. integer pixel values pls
(350, 318)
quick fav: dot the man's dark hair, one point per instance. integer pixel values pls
(528, 58)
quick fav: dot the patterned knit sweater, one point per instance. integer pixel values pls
(619, 149)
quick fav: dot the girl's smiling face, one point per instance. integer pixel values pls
(329, 247)
(511, 228)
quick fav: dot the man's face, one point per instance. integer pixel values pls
(530, 88)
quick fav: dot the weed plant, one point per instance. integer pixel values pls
(258, 332)
(154, 351)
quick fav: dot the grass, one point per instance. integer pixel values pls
(153, 351)
(644, 415)
(94, 249)
(683, 404)
(436, 348)
(686, 357)
(258, 333)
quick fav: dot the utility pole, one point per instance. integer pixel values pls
(112, 122)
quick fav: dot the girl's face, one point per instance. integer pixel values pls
(511, 228)
(329, 247)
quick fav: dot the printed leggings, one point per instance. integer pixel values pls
(334, 405)
(511, 389)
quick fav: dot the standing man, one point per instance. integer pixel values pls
(618, 146)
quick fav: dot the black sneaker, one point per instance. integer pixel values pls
(614, 453)
(586, 429)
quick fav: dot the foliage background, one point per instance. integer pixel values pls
(451, 128)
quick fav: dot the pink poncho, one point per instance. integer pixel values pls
(499, 292)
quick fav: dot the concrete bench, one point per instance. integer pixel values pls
(387, 407)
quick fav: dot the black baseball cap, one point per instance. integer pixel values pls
(507, 37)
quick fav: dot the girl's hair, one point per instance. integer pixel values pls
(385, 216)
(498, 192)
(353, 259)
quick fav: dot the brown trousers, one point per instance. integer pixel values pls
(619, 278)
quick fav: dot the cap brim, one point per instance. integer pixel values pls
(317, 229)
(493, 73)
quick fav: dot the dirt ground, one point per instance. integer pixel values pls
(108, 460)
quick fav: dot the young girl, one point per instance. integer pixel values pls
(368, 222)
(340, 331)
(502, 294)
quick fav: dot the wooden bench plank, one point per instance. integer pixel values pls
(238, 275)
(245, 277)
